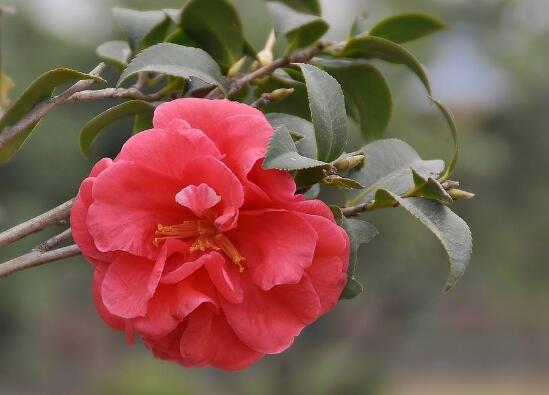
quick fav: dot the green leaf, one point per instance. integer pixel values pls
(300, 30)
(142, 28)
(389, 165)
(359, 232)
(306, 143)
(453, 128)
(430, 189)
(308, 6)
(178, 36)
(407, 27)
(95, 126)
(327, 112)
(216, 27)
(41, 89)
(341, 182)
(384, 199)
(451, 230)
(143, 121)
(116, 52)
(177, 61)
(369, 47)
(282, 153)
(352, 289)
(365, 87)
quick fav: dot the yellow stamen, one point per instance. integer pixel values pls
(230, 250)
(203, 244)
(207, 237)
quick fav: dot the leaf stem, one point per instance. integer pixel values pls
(300, 57)
(353, 211)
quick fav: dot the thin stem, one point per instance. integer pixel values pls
(353, 211)
(52, 217)
(113, 93)
(36, 258)
(42, 109)
(358, 209)
(54, 241)
(300, 57)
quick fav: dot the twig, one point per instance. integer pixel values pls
(300, 57)
(358, 209)
(52, 217)
(113, 93)
(36, 258)
(42, 109)
(54, 241)
(353, 211)
(274, 96)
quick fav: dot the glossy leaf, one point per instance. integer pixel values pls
(303, 129)
(359, 232)
(41, 89)
(143, 121)
(450, 229)
(352, 289)
(366, 88)
(95, 126)
(389, 165)
(300, 30)
(407, 27)
(308, 6)
(282, 153)
(327, 112)
(177, 61)
(369, 47)
(179, 37)
(430, 188)
(216, 27)
(116, 52)
(142, 28)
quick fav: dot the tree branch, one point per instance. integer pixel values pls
(54, 241)
(353, 211)
(300, 57)
(43, 108)
(36, 258)
(52, 217)
(113, 93)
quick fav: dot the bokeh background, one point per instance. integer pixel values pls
(402, 335)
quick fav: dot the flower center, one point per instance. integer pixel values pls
(206, 236)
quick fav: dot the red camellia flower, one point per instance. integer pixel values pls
(209, 258)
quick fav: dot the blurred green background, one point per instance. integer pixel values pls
(490, 335)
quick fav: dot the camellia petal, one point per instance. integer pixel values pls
(278, 246)
(209, 258)
(268, 321)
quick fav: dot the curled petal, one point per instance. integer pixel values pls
(128, 285)
(268, 321)
(278, 246)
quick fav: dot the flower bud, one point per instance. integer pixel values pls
(458, 194)
(349, 162)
